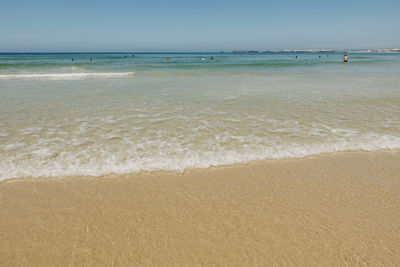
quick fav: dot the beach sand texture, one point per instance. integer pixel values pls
(339, 209)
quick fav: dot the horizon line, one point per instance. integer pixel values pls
(210, 52)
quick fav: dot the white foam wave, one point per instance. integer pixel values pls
(66, 76)
(93, 160)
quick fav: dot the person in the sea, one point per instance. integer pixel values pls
(346, 58)
(211, 57)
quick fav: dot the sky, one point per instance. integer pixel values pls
(175, 25)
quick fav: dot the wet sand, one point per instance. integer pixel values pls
(330, 210)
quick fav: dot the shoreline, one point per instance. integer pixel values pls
(331, 209)
(189, 170)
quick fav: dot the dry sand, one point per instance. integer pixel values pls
(330, 210)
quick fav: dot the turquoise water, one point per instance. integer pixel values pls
(119, 114)
(191, 63)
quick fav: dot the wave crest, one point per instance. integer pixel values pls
(66, 76)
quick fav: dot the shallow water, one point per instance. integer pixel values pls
(121, 114)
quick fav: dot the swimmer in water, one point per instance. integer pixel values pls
(346, 58)
(211, 57)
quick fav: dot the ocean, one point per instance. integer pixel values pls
(77, 114)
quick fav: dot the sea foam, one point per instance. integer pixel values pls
(66, 76)
(45, 160)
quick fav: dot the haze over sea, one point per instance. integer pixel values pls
(119, 114)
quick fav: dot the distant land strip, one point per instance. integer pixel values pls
(390, 50)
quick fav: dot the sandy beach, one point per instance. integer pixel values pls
(340, 209)
(188, 133)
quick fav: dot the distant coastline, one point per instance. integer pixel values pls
(250, 51)
(390, 50)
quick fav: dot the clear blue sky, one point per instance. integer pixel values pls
(174, 25)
